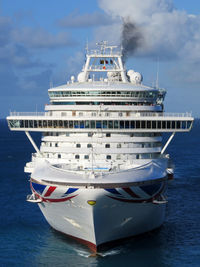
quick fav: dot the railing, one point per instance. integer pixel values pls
(15, 113)
(101, 114)
(156, 114)
(104, 53)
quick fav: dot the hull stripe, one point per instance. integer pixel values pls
(57, 199)
(141, 200)
(52, 199)
(50, 191)
(130, 192)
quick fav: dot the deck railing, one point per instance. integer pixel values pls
(101, 114)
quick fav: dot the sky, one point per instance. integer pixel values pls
(42, 43)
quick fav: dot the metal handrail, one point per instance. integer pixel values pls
(100, 114)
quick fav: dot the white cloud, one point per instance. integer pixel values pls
(166, 32)
(40, 38)
(76, 20)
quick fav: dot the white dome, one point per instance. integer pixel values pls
(72, 78)
(136, 78)
(130, 72)
(81, 77)
(110, 74)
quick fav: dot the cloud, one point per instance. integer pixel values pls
(166, 32)
(76, 20)
(5, 30)
(36, 82)
(23, 71)
(8, 80)
(40, 38)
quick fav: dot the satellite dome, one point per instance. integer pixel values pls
(81, 77)
(136, 78)
(110, 74)
(130, 72)
(72, 78)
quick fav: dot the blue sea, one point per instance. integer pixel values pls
(27, 240)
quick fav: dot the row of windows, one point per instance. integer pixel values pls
(106, 134)
(94, 114)
(110, 124)
(138, 145)
(135, 94)
(117, 157)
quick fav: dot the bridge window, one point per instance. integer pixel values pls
(102, 124)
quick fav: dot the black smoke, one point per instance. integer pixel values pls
(131, 38)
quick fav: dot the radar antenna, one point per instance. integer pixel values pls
(157, 75)
(104, 45)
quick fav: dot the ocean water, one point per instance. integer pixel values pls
(27, 240)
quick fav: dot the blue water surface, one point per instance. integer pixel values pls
(27, 240)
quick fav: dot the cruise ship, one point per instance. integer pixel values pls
(101, 171)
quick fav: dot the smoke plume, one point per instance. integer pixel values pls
(130, 38)
(155, 28)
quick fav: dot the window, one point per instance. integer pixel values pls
(78, 145)
(110, 124)
(90, 134)
(94, 114)
(56, 144)
(119, 145)
(108, 157)
(77, 157)
(86, 157)
(118, 156)
(59, 156)
(89, 145)
(107, 145)
(108, 135)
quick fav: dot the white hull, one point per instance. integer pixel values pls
(108, 220)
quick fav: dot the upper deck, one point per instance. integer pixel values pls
(121, 103)
(138, 122)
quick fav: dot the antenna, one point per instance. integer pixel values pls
(157, 75)
(86, 47)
